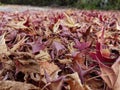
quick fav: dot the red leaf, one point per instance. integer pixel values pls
(81, 45)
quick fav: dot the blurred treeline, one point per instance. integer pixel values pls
(82, 4)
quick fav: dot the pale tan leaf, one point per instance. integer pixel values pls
(49, 67)
(70, 22)
(71, 48)
(56, 27)
(69, 19)
(13, 85)
(43, 55)
(16, 46)
(116, 65)
(3, 46)
(117, 26)
(17, 25)
(96, 21)
(107, 74)
(116, 68)
(65, 61)
(117, 82)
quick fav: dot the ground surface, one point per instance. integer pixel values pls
(20, 8)
(59, 49)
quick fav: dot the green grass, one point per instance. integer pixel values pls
(81, 4)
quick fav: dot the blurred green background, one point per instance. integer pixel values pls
(81, 4)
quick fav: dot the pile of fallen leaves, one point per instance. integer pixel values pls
(60, 50)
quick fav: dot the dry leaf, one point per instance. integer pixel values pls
(3, 46)
(49, 67)
(43, 55)
(57, 85)
(28, 67)
(107, 74)
(13, 85)
(70, 22)
(16, 46)
(17, 25)
(111, 75)
(75, 82)
(56, 27)
(116, 69)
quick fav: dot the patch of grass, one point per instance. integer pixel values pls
(81, 4)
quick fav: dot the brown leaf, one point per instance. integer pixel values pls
(28, 67)
(116, 69)
(107, 74)
(75, 83)
(13, 85)
(111, 75)
(49, 67)
(57, 85)
(16, 46)
(79, 57)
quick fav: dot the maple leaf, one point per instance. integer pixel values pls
(76, 67)
(116, 68)
(71, 48)
(18, 25)
(54, 84)
(29, 68)
(18, 44)
(49, 67)
(58, 47)
(36, 45)
(75, 83)
(81, 45)
(111, 74)
(56, 27)
(33, 42)
(43, 55)
(70, 22)
(102, 55)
